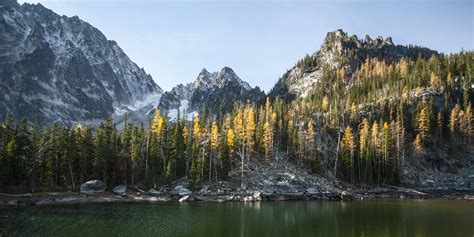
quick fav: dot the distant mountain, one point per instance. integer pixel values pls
(212, 91)
(58, 68)
(340, 50)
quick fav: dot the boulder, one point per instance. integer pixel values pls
(154, 192)
(120, 189)
(93, 187)
(248, 199)
(204, 190)
(181, 191)
(12, 203)
(312, 191)
(347, 196)
(67, 199)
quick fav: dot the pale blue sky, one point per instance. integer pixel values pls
(260, 40)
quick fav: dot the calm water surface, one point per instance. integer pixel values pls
(300, 218)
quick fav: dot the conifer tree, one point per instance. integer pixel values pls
(348, 148)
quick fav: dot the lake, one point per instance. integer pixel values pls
(290, 218)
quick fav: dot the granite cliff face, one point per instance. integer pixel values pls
(58, 68)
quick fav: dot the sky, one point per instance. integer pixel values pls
(262, 39)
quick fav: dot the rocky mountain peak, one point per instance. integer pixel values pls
(204, 80)
(210, 91)
(56, 67)
(227, 75)
(9, 3)
(339, 49)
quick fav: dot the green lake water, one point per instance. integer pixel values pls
(399, 218)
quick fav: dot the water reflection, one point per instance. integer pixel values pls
(303, 218)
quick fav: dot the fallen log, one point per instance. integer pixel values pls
(407, 190)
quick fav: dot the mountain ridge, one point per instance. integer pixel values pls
(59, 68)
(340, 50)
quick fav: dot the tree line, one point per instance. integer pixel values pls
(363, 127)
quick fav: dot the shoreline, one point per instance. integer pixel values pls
(48, 199)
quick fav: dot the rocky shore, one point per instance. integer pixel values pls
(205, 194)
(278, 181)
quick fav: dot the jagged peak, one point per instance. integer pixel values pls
(339, 36)
(227, 70)
(203, 71)
(9, 3)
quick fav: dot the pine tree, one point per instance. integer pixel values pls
(469, 122)
(250, 131)
(364, 147)
(348, 148)
(417, 144)
(268, 140)
(196, 163)
(214, 146)
(310, 145)
(423, 124)
(135, 152)
(454, 121)
(386, 147)
(440, 125)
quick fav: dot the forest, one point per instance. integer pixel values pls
(379, 118)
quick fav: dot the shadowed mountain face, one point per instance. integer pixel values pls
(340, 50)
(58, 68)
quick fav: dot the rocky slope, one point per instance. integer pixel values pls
(339, 50)
(212, 91)
(58, 68)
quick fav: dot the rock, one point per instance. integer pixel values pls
(154, 192)
(257, 196)
(204, 190)
(181, 191)
(254, 196)
(226, 198)
(248, 199)
(120, 189)
(469, 197)
(66, 199)
(347, 196)
(13, 203)
(471, 185)
(312, 191)
(203, 198)
(45, 201)
(93, 187)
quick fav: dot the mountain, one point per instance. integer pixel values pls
(59, 68)
(339, 50)
(212, 91)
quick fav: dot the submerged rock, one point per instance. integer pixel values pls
(93, 187)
